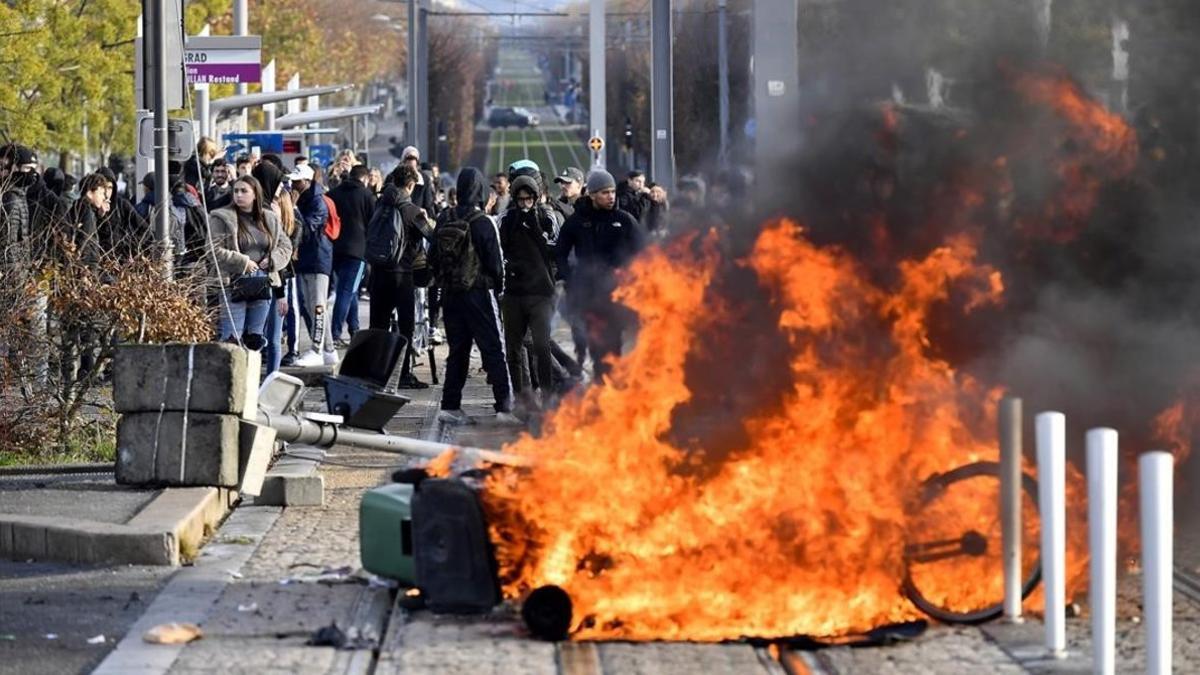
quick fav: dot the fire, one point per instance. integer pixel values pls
(802, 523)
(802, 530)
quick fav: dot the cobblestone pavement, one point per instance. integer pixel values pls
(261, 626)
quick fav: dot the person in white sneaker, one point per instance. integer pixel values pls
(314, 265)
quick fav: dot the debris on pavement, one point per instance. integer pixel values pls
(97, 640)
(252, 607)
(173, 634)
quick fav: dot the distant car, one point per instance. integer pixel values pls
(507, 117)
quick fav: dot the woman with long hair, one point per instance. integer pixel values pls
(247, 241)
(281, 318)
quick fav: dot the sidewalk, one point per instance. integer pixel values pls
(301, 571)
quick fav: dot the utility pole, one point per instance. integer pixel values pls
(162, 174)
(776, 81)
(268, 86)
(662, 145)
(723, 80)
(418, 74)
(203, 101)
(597, 90)
(241, 26)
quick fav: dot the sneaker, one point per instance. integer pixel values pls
(310, 359)
(341, 344)
(437, 337)
(508, 419)
(288, 360)
(411, 382)
(331, 358)
(454, 417)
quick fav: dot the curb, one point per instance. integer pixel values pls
(294, 480)
(168, 529)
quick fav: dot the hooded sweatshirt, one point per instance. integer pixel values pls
(355, 204)
(527, 238)
(602, 242)
(416, 228)
(316, 250)
(472, 190)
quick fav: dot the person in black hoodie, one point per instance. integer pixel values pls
(355, 204)
(633, 196)
(471, 314)
(131, 231)
(527, 236)
(603, 238)
(392, 286)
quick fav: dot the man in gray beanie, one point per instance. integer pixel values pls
(603, 239)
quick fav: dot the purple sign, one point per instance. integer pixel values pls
(224, 73)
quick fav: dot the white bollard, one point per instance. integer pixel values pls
(1010, 505)
(1102, 540)
(1156, 499)
(1052, 459)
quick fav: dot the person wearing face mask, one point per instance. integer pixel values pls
(246, 240)
(527, 236)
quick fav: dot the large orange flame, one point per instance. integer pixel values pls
(801, 528)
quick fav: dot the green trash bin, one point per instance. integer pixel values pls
(385, 532)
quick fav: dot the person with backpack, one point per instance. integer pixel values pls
(395, 246)
(354, 203)
(469, 268)
(314, 265)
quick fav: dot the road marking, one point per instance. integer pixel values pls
(579, 163)
(549, 153)
(524, 143)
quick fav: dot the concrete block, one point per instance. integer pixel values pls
(206, 377)
(294, 490)
(256, 445)
(29, 541)
(6, 538)
(62, 544)
(205, 455)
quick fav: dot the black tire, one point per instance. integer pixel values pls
(934, 486)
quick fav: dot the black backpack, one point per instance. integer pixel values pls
(385, 236)
(455, 262)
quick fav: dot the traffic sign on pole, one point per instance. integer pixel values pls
(222, 59)
(596, 145)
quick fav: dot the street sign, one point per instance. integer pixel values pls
(179, 138)
(596, 144)
(223, 59)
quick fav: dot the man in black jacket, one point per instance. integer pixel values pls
(471, 314)
(392, 287)
(355, 203)
(633, 196)
(603, 238)
(527, 236)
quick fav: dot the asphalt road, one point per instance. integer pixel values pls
(73, 604)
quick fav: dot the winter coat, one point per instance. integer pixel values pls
(316, 249)
(355, 204)
(634, 203)
(231, 262)
(602, 241)
(527, 240)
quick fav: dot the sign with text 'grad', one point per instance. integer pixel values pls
(223, 59)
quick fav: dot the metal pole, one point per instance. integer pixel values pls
(268, 85)
(596, 71)
(662, 146)
(162, 186)
(1010, 505)
(776, 80)
(1102, 542)
(241, 26)
(203, 108)
(422, 135)
(296, 429)
(723, 79)
(1052, 459)
(1156, 493)
(413, 73)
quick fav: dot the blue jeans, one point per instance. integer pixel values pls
(273, 353)
(238, 320)
(347, 274)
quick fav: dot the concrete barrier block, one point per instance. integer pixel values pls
(206, 454)
(279, 490)
(6, 538)
(206, 377)
(257, 444)
(62, 544)
(29, 541)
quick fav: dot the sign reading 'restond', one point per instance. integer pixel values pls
(223, 59)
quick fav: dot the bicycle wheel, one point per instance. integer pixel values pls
(967, 548)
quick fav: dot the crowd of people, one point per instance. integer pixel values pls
(497, 263)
